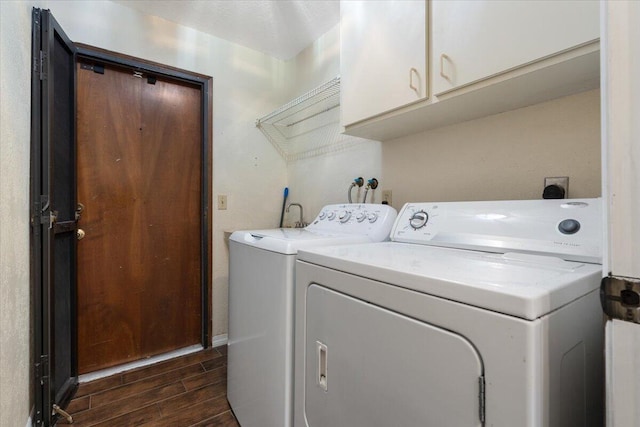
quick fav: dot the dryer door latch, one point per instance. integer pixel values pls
(620, 298)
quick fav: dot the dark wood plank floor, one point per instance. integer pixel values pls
(187, 391)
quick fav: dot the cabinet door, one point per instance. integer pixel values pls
(476, 39)
(383, 57)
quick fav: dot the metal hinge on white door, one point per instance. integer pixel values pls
(481, 398)
(620, 298)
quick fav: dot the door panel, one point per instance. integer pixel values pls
(366, 366)
(53, 218)
(621, 175)
(139, 177)
(171, 181)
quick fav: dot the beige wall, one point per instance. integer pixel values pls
(505, 156)
(15, 113)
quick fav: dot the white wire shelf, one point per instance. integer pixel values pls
(308, 125)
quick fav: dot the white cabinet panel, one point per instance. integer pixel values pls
(476, 39)
(383, 57)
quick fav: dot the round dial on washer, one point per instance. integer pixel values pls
(569, 226)
(322, 215)
(332, 216)
(344, 216)
(361, 216)
(418, 220)
(373, 217)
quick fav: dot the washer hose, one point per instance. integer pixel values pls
(356, 182)
(373, 184)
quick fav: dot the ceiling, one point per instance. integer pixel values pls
(279, 28)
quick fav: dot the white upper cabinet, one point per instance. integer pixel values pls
(383, 57)
(476, 39)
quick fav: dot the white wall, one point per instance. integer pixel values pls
(15, 113)
(318, 181)
(501, 157)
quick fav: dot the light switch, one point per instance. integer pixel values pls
(222, 202)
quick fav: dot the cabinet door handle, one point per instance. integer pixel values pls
(412, 70)
(442, 58)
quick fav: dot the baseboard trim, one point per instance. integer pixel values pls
(84, 378)
(30, 419)
(219, 340)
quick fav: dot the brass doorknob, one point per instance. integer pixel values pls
(80, 233)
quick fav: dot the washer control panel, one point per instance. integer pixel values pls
(569, 229)
(355, 218)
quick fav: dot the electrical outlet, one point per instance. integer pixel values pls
(560, 181)
(386, 196)
(222, 202)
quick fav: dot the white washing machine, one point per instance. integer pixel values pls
(261, 292)
(476, 313)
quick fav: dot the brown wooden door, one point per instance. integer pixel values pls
(139, 179)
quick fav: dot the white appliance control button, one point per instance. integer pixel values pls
(418, 220)
(373, 217)
(344, 216)
(361, 216)
(332, 216)
(322, 215)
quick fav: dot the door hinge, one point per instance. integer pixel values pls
(42, 66)
(39, 206)
(620, 298)
(42, 380)
(41, 368)
(481, 398)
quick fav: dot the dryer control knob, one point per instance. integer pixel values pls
(373, 217)
(361, 216)
(418, 220)
(332, 216)
(322, 215)
(344, 216)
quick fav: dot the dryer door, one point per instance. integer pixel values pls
(366, 366)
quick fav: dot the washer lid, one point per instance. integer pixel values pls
(522, 285)
(288, 240)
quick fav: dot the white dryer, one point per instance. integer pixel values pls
(261, 290)
(476, 313)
